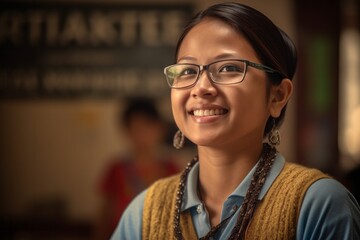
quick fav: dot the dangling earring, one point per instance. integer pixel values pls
(274, 135)
(179, 140)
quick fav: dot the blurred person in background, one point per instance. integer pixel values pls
(131, 172)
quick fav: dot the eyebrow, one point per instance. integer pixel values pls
(225, 55)
(218, 57)
(186, 58)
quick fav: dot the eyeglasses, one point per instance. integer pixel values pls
(224, 72)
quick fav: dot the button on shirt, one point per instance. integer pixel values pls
(328, 210)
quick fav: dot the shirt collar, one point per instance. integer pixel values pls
(191, 198)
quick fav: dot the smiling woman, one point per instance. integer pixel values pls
(229, 89)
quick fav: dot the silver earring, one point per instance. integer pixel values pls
(179, 140)
(274, 136)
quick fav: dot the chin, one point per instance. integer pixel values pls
(203, 141)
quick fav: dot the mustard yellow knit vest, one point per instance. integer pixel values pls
(275, 216)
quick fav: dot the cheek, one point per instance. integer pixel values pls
(177, 105)
(250, 105)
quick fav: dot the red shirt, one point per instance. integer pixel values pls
(124, 180)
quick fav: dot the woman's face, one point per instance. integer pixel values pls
(243, 107)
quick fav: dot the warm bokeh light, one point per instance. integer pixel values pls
(349, 95)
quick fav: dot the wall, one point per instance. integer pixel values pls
(55, 149)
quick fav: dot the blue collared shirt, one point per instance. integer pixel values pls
(328, 211)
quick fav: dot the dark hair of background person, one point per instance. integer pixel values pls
(144, 107)
(272, 45)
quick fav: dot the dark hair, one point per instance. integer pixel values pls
(272, 45)
(139, 106)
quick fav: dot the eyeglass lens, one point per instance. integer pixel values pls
(221, 72)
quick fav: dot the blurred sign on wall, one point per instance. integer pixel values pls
(61, 50)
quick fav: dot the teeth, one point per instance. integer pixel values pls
(208, 112)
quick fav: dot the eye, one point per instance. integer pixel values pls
(231, 68)
(188, 71)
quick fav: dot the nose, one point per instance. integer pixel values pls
(204, 87)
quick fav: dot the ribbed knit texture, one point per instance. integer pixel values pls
(159, 208)
(275, 216)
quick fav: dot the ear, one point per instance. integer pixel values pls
(279, 96)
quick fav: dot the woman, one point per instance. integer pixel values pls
(229, 88)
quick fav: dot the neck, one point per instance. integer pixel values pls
(221, 172)
(145, 154)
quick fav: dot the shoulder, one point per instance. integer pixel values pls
(329, 194)
(164, 182)
(161, 189)
(328, 211)
(294, 169)
(294, 180)
(300, 176)
(113, 175)
(130, 223)
(117, 164)
(328, 189)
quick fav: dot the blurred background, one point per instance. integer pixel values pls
(69, 68)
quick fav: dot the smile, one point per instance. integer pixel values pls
(208, 112)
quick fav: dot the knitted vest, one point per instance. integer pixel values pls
(275, 216)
